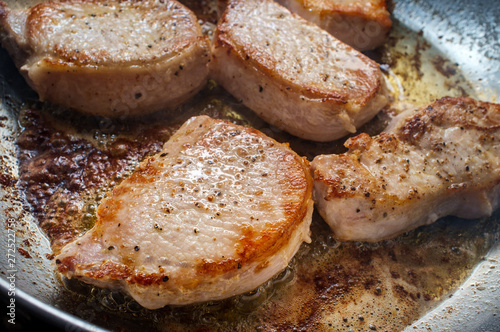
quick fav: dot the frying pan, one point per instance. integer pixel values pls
(466, 33)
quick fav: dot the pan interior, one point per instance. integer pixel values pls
(328, 285)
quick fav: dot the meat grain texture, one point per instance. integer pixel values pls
(112, 58)
(293, 74)
(365, 25)
(219, 211)
(439, 160)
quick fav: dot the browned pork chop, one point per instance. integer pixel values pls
(293, 74)
(363, 24)
(439, 160)
(222, 209)
(109, 58)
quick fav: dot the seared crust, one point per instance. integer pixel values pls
(362, 24)
(219, 211)
(439, 160)
(113, 58)
(293, 74)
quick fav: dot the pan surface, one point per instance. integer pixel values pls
(436, 48)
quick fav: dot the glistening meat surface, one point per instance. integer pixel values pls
(293, 74)
(442, 159)
(220, 210)
(112, 58)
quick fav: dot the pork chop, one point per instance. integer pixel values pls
(439, 160)
(293, 74)
(220, 210)
(362, 24)
(109, 58)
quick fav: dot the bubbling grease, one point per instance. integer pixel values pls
(330, 285)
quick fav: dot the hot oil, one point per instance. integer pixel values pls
(417, 72)
(328, 285)
(336, 286)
